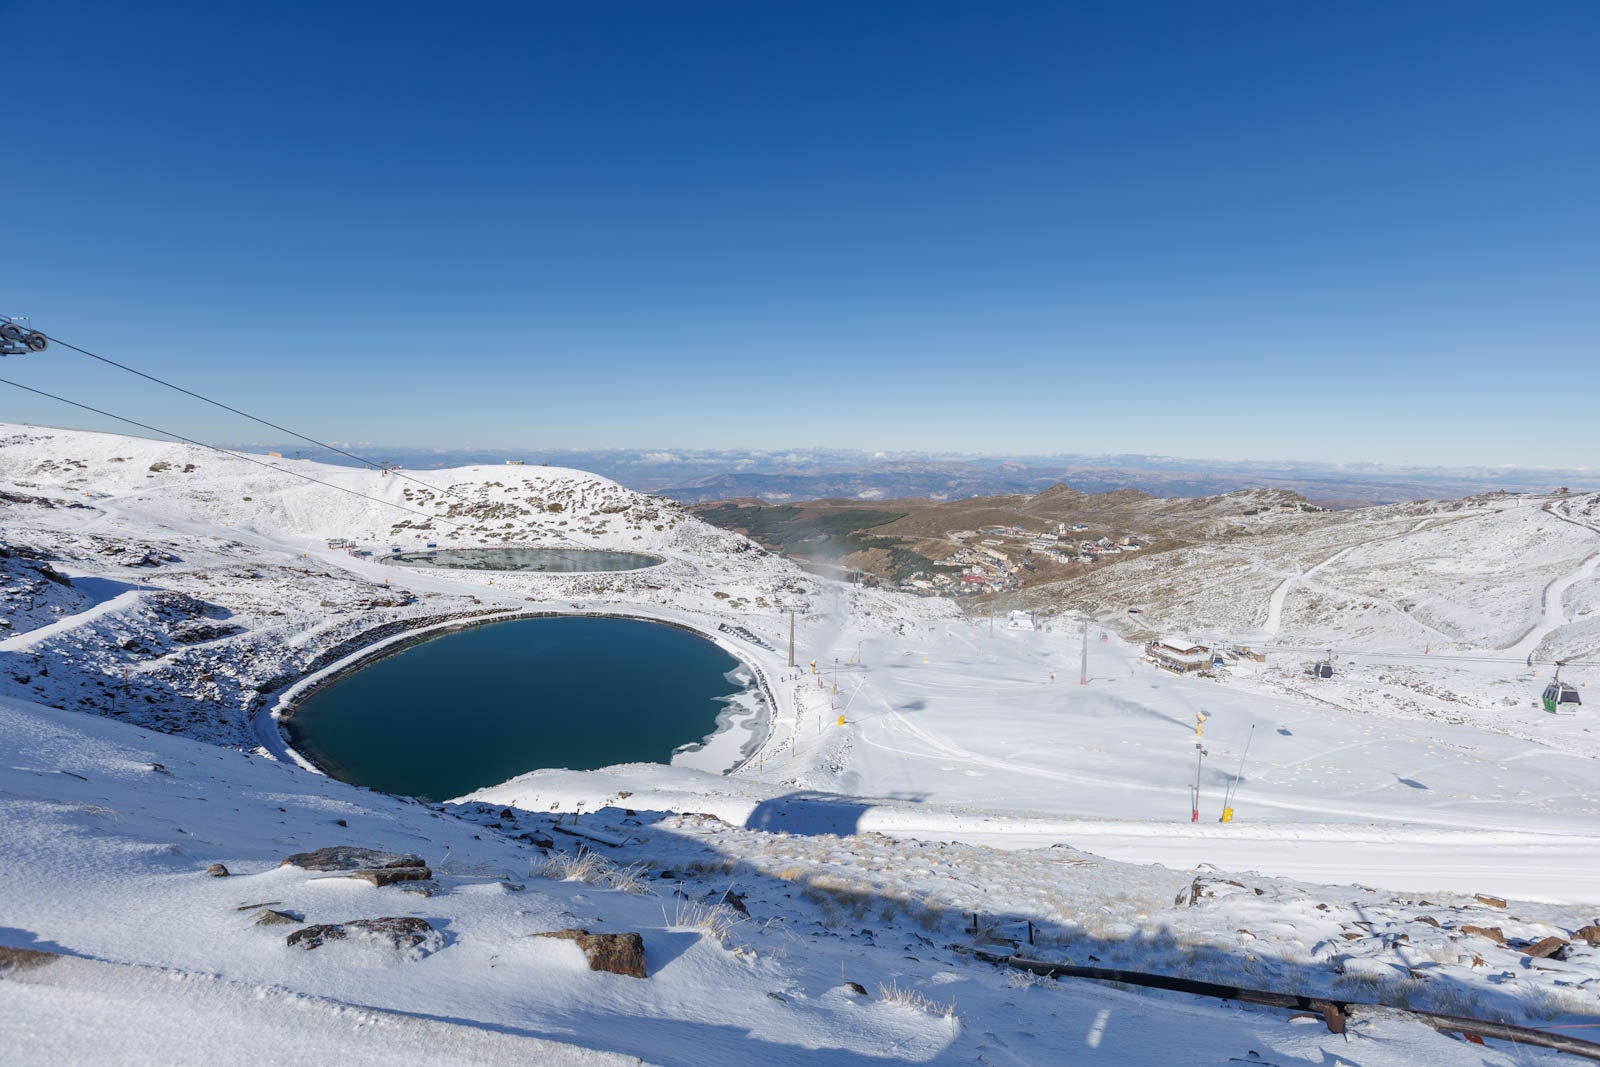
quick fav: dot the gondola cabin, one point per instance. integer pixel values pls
(1560, 697)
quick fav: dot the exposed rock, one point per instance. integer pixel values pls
(1548, 948)
(1589, 935)
(1493, 902)
(217, 870)
(1493, 933)
(21, 959)
(268, 917)
(1429, 919)
(616, 953)
(856, 988)
(350, 858)
(729, 898)
(381, 876)
(401, 932)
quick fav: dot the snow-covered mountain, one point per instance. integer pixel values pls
(822, 904)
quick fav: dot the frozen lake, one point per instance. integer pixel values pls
(475, 707)
(556, 560)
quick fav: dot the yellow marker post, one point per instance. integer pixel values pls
(841, 720)
(1199, 724)
(1227, 814)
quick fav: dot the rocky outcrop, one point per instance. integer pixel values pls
(217, 870)
(616, 953)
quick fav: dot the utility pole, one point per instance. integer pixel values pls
(791, 638)
(1083, 664)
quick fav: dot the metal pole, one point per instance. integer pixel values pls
(1083, 667)
(791, 637)
(1227, 798)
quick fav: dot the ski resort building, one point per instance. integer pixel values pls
(1177, 655)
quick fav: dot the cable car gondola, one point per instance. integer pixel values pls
(1323, 668)
(1559, 696)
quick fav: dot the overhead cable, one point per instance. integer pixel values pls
(235, 455)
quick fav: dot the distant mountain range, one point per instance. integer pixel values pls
(696, 476)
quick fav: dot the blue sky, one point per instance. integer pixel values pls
(1353, 232)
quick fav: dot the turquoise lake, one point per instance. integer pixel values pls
(477, 706)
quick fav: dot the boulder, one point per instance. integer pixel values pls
(1493, 902)
(381, 876)
(401, 932)
(217, 870)
(1493, 933)
(350, 858)
(1548, 948)
(616, 953)
(1589, 935)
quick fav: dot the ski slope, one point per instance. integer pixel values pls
(931, 769)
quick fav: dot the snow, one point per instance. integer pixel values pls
(972, 788)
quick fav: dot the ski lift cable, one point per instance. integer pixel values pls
(235, 455)
(226, 407)
(449, 490)
(1380, 654)
(264, 422)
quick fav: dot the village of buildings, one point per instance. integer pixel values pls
(994, 559)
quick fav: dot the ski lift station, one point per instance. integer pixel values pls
(1177, 655)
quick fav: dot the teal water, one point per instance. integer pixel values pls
(475, 707)
(556, 560)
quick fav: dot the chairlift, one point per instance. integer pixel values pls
(1559, 696)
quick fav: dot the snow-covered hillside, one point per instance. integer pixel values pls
(941, 784)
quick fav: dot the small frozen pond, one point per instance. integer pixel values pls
(556, 560)
(477, 706)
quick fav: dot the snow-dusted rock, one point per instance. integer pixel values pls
(351, 858)
(401, 932)
(616, 953)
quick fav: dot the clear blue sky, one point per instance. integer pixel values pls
(1270, 230)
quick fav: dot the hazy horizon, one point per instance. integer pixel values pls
(1361, 234)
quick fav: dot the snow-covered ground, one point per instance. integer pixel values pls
(972, 777)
